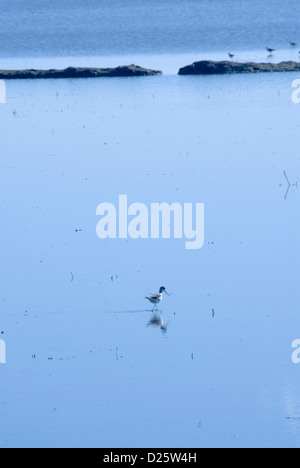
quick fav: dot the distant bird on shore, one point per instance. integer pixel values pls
(293, 44)
(231, 55)
(157, 298)
(270, 50)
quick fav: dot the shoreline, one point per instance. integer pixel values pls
(203, 67)
(78, 72)
(210, 67)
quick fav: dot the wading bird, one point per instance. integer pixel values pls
(157, 298)
(270, 50)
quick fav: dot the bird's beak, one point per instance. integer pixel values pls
(167, 293)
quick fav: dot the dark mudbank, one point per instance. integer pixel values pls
(208, 67)
(75, 72)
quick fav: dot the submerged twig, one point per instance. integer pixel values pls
(289, 184)
(287, 179)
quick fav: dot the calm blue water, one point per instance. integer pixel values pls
(113, 27)
(85, 367)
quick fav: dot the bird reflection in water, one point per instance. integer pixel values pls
(157, 321)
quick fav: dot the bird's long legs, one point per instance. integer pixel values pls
(155, 308)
